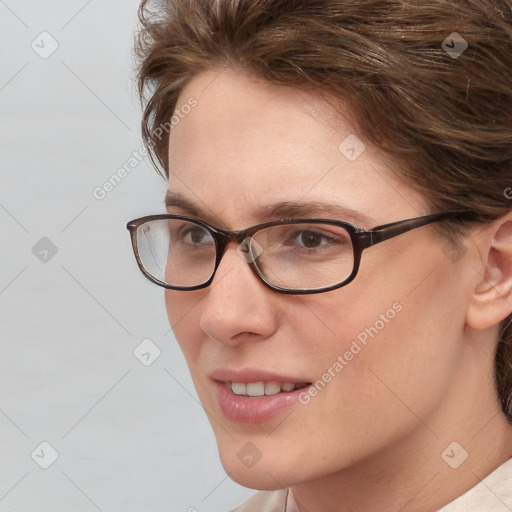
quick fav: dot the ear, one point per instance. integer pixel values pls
(491, 301)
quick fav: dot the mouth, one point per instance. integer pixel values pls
(251, 396)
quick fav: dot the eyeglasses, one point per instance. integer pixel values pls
(293, 256)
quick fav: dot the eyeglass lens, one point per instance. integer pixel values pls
(181, 253)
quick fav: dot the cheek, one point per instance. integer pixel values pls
(410, 343)
(381, 343)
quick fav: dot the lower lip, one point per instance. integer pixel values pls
(242, 409)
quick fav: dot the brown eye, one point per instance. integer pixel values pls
(315, 239)
(197, 236)
(310, 239)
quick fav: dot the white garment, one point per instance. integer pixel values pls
(492, 494)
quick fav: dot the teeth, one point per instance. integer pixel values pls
(255, 388)
(238, 388)
(272, 388)
(264, 388)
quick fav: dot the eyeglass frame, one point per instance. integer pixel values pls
(360, 240)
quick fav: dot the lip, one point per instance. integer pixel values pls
(248, 410)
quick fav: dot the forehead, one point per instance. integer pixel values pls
(249, 142)
(235, 104)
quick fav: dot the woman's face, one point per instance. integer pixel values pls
(379, 353)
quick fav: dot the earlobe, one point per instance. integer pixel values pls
(491, 301)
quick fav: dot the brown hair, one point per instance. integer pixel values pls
(441, 110)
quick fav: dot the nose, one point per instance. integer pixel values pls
(238, 306)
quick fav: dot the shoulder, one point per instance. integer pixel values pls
(265, 501)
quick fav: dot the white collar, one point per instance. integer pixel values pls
(492, 494)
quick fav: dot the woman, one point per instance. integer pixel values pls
(351, 343)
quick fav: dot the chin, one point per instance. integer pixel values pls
(264, 472)
(262, 476)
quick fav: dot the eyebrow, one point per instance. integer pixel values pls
(280, 210)
(180, 202)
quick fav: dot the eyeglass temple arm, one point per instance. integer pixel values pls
(387, 231)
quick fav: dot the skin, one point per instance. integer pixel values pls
(372, 439)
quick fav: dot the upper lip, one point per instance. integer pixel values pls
(246, 375)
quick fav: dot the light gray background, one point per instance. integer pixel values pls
(129, 437)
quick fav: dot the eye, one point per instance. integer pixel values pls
(311, 239)
(314, 238)
(195, 235)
